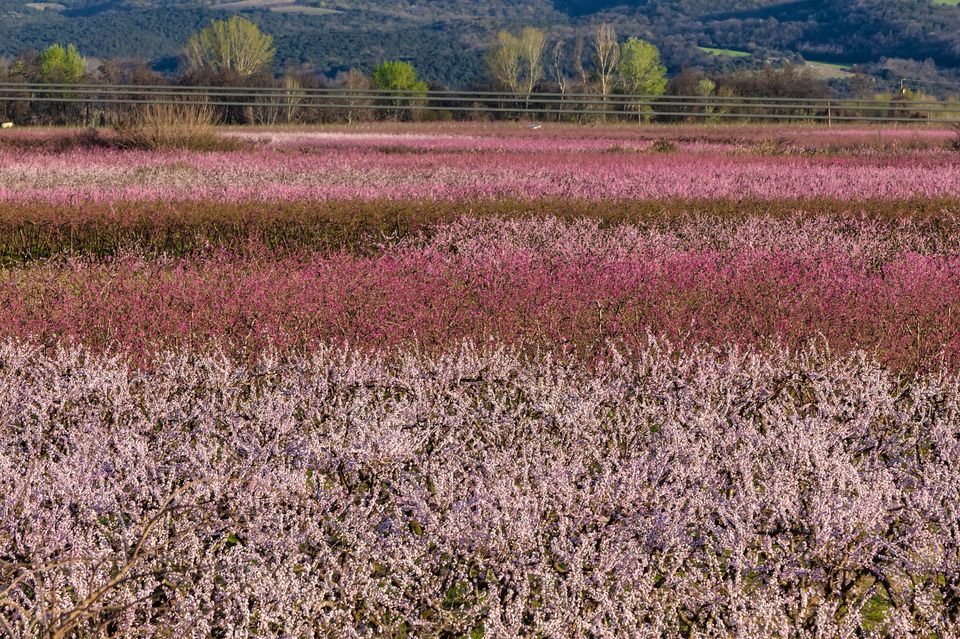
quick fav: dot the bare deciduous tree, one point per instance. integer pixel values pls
(559, 75)
(578, 51)
(357, 100)
(293, 97)
(284, 105)
(503, 61)
(532, 43)
(583, 75)
(606, 56)
(516, 63)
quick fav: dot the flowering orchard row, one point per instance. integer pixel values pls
(739, 139)
(34, 230)
(728, 136)
(561, 286)
(334, 171)
(464, 136)
(478, 493)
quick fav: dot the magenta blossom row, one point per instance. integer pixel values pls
(496, 280)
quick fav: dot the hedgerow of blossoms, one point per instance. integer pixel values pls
(564, 286)
(34, 231)
(364, 172)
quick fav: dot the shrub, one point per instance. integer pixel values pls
(663, 146)
(60, 143)
(174, 126)
(620, 148)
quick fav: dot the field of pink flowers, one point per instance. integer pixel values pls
(537, 281)
(483, 383)
(335, 168)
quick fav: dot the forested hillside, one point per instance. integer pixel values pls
(445, 38)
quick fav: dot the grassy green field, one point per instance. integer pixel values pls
(281, 6)
(730, 53)
(829, 70)
(826, 70)
(45, 6)
(952, 3)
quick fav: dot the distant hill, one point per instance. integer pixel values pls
(446, 38)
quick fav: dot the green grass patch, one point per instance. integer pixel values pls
(833, 65)
(830, 70)
(296, 8)
(279, 6)
(729, 53)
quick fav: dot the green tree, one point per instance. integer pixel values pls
(640, 70)
(399, 77)
(61, 65)
(705, 88)
(230, 46)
